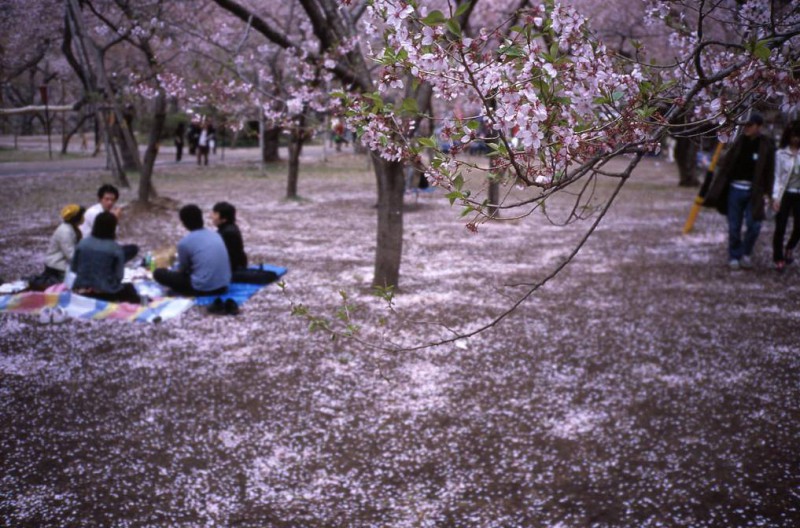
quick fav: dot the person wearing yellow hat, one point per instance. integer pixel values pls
(61, 248)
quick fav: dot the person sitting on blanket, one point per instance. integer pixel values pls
(107, 196)
(99, 264)
(61, 248)
(223, 216)
(203, 264)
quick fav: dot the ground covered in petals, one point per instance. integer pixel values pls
(645, 386)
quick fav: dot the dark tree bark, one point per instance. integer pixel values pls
(298, 138)
(129, 149)
(72, 131)
(686, 159)
(391, 190)
(494, 199)
(269, 152)
(146, 188)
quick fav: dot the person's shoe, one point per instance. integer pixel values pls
(787, 255)
(780, 266)
(231, 308)
(58, 315)
(46, 315)
(733, 264)
(746, 262)
(217, 307)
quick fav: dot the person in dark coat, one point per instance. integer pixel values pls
(741, 187)
(180, 131)
(223, 216)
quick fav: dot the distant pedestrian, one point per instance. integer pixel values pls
(180, 131)
(786, 195)
(204, 144)
(740, 188)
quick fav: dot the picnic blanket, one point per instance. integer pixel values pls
(158, 308)
(82, 307)
(239, 291)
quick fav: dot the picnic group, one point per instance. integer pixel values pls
(84, 253)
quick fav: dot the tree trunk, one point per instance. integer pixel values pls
(494, 199)
(295, 148)
(129, 149)
(389, 250)
(146, 188)
(270, 150)
(69, 133)
(686, 160)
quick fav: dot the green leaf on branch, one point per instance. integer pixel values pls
(453, 196)
(409, 106)
(429, 142)
(458, 182)
(511, 51)
(434, 18)
(384, 292)
(462, 8)
(454, 27)
(761, 50)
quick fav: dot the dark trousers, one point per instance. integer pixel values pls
(790, 204)
(181, 283)
(127, 294)
(740, 211)
(178, 150)
(202, 155)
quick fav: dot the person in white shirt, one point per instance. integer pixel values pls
(107, 196)
(786, 195)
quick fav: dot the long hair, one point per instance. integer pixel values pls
(76, 221)
(792, 129)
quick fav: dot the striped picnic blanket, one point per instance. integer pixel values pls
(158, 308)
(79, 306)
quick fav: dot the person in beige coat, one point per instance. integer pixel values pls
(61, 248)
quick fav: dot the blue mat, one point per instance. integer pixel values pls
(240, 291)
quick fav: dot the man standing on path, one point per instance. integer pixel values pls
(741, 187)
(107, 196)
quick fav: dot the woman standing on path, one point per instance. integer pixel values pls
(786, 195)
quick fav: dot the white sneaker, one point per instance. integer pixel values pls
(746, 262)
(59, 315)
(46, 315)
(733, 264)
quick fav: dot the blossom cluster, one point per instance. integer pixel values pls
(546, 91)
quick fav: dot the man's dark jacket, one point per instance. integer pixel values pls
(717, 195)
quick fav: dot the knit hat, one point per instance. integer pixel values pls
(69, 212)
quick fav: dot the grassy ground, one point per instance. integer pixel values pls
(645, 386)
